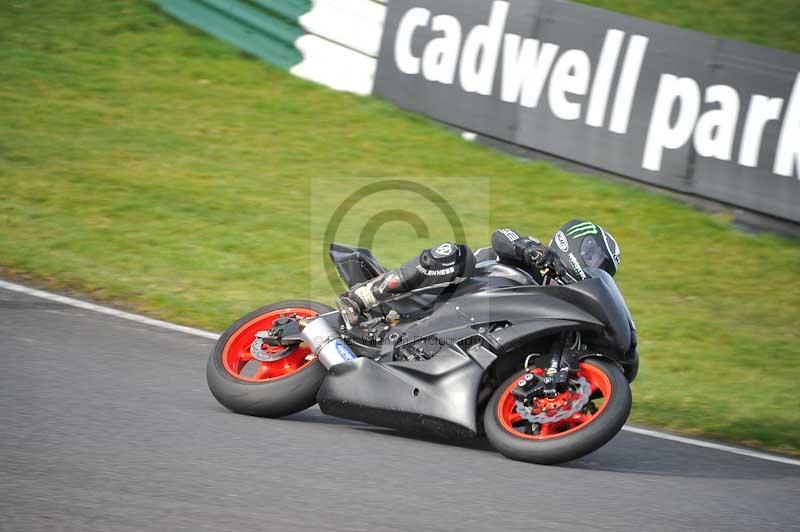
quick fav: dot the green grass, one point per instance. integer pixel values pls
(772, 23)
(151, 166)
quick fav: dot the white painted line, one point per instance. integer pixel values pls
(711, 445)
(72, 302)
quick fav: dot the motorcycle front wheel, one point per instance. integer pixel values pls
(284, 382)
(564, 440)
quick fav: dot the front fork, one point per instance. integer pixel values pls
(563, 365)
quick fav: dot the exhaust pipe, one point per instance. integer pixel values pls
(325, 342)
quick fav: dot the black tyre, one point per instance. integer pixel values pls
(275, 388)
(565, 440)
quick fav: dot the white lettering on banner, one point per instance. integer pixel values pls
(713, 135)
(483, 42)
(787, 158)
(525, 69)
(570, 75)
(628, 82)
(761, 111)
(661, 134)
(609, 54)
(528, 65)
(440, 57)
(406, 62)
(715, 129)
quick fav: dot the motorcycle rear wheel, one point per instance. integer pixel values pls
(565, 440)
(275, 388)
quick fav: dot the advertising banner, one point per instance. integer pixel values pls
(672, 107)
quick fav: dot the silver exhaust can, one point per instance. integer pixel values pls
(326, 343)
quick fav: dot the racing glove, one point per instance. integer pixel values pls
(539, 256)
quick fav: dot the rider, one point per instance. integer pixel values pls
(453, 263)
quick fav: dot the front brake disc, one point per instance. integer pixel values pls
(579, 386)
(271, 353)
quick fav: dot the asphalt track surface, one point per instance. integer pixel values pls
(107, 425)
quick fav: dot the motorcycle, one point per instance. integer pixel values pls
(543, 371)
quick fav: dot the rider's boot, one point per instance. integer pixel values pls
(368, 295)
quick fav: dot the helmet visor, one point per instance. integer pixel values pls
(591, 253)
(596, 256)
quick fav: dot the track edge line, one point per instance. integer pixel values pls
(85, 305)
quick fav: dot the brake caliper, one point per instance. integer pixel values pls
(537, 406)
(278, 341)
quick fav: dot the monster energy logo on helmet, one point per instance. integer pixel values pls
(583, 247)
(582, 229)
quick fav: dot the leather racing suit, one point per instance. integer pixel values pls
(445, 264)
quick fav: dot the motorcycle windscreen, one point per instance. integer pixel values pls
(613, 291)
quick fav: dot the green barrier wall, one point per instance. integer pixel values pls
(266, 29)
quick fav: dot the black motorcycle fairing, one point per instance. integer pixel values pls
(437, 395)
(593, 304)
(600, 296)
(523, 333)
(471, 315)
(440, 392)
(498, 269)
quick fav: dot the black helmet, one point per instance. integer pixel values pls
(582, 246)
